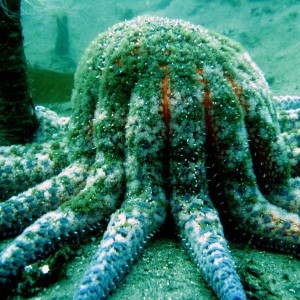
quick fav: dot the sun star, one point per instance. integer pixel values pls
(166, 115)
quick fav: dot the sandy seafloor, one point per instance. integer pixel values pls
(269, 31)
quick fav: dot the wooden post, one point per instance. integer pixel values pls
(18, 120)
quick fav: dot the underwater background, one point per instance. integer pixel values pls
(55, 36)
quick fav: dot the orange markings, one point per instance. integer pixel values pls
(238, 92)
(118, 63)
(207, 103)
(286, 231)
(137, 50)
(90, 129)
(166, 94)
(201, 72)
(296, 232)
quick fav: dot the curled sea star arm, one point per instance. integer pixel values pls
(272, 157)
(36, 242)
(92, 90)
(88, 131)
(247, 204)
(23, 166)
(102, 192)
(288, 117)
(20, 211)
(70, 221)
(51, 126)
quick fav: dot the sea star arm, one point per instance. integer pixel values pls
(288, 117)
(195, 216)
(287, 102)
(201, 230)
(202, 235)
(70, 221)
(23, 166)
(248, 206)
(20, 211)
(36, 242)
(144, 208)
(85, 212)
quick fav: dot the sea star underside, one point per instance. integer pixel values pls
(166, 115)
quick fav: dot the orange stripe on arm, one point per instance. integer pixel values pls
(166, 94)
(207, 103)
(238, 92)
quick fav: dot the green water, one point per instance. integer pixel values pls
(268, 30)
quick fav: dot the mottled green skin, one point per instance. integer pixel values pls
(118, 62)
(165, 114)
(131, 68)
(23, 166)
(288, 108)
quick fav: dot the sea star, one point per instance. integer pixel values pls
(165, 114)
